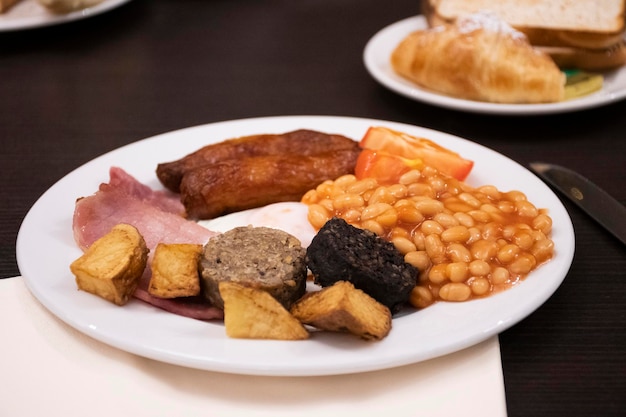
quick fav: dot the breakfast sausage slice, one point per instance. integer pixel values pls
(298, 142)
(234, 185)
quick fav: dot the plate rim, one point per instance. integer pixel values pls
(162, 353)
(7, 24)
(412, 91)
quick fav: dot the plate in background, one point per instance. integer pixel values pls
(376, 59)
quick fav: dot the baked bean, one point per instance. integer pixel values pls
(447, 220)
(374, 210)
(434, 247)
(382, 195)
(479, 268)
(470, 200)
(464, 219)
(348, 201)
(523, 264)
(362, 186)
(420, 190)
(409, 214)
(430, 227)
(466, 242)
(399, 191)
(543, 250)
(410, 177)
(490, 191)
(523, 239)
(421, 297)
(507, 253)
(429, 206)
(418, 259)
(455, 291)
(457, 271)
(480, 286)
(480, 216)
(389, 218)
(317, 215)
(345, 180)
(484, 249)
(526, 209)
(459, 253)
(399, 232)
(403, 245)
(438, 273)
(418, 239)
(543, 223)
(455, 234)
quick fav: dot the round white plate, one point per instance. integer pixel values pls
(380, 46)
(29, 14)
(45, 249)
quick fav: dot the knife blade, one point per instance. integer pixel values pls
(593, 200)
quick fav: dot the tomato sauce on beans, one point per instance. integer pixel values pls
(467, 242)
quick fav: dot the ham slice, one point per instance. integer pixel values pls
(156, 214)
(159, 218)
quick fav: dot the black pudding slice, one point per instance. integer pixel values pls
(342, 252)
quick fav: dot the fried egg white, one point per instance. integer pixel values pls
(290, 217)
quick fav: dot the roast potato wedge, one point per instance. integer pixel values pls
(344, 308)
(175, 270)
(251, 313)
(111, 267)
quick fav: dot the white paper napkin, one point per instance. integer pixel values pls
(49, 369)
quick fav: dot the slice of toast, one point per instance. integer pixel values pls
(576, 23)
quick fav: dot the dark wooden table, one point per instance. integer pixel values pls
(69, 93)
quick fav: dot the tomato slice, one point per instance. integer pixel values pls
(414, 148)
(385, 167)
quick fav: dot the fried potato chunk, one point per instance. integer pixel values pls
(344, 308)
(175, 270)
(251, 313)
(113, 264)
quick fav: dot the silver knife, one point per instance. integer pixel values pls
(594, 201)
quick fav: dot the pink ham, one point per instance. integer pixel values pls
(126, 200)
(159, 218)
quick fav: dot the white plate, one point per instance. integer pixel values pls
(376, 58)
(45, 249)
(29, 14)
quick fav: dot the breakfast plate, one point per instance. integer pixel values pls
(46, 247)
(29, 14)
(376, 59)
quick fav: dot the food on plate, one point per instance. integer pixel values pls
(112, 266)
(252, 313)
(343, 308)
(175, 270)
(389, 154)
(342, 252)
(6, 4)
(238, 184)
(479, 57)
(66, 6)
(157, 215)
(267, 259)
(467, 242)
(298, 142)
(580, 83)
(583, 34)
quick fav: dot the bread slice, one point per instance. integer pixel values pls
(576, 23)
(6, 4)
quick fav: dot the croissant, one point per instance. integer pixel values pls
(479, 58)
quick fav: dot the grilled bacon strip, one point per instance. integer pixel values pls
(298, 142)
(235, 185)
